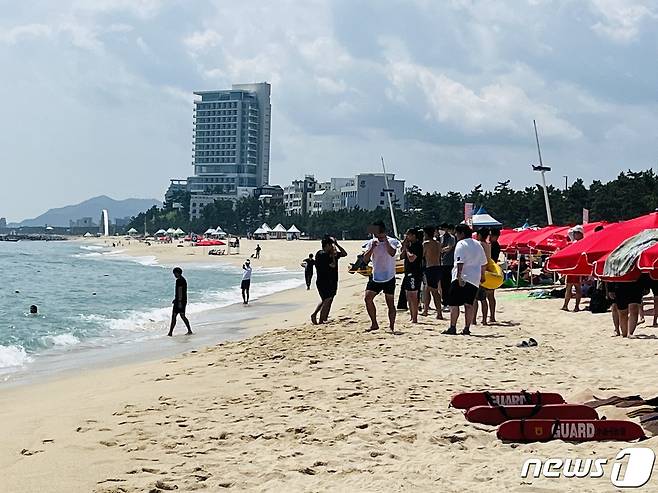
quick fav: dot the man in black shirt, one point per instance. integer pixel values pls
(308, 264)
(412, 253)
(326, 266)
(180, 301)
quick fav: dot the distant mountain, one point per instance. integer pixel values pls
(91, 208)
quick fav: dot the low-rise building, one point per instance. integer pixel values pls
(298, 196)
(272, 195)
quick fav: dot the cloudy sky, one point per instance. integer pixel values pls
(96, 95)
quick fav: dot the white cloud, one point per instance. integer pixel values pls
(202, 40)
(17, 34)
(621, 19)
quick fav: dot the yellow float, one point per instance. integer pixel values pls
(493, 276)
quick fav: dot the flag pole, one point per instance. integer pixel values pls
(390, 203)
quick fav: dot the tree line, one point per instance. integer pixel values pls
(629, 195)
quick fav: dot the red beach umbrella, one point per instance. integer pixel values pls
(579, 257)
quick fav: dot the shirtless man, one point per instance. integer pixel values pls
(482, 235)
(432, 256)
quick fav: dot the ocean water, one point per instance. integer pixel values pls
(90, 297)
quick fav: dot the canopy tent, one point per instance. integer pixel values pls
(49, 228)
(132, 231)
(219, 229)
(261, 233)
(579, 257)
(210, 231)
(293, 233)
(170, 231)
(179, 232)
(87, 235)
(482, 219)
(265, 227)
(279, 232)
(160, 232)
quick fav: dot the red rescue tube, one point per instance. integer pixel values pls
(569, 430)
(495, 415)
(466, 400)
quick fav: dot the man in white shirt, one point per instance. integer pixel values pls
(381, 249)
(467, 274)
(246, 281)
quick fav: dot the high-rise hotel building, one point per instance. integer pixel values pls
(231, 144)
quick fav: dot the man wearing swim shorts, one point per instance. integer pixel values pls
(180, 302)
(412, 253)
(627, 296)
(432, 257)
(467, 274)
(482, 296)
(382, 250)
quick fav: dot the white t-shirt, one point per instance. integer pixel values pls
(246, 273)
(383, 264)
(470, 253)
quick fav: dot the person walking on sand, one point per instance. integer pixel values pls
(467, 274)
(180, 302)
(412, 254)
(246, 281)
(381, 249)
(326, 266)
(432, 257)
(258, 249)
(308, 263)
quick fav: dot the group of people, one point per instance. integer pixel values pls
(447, 266)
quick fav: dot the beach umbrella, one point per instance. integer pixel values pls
(160, 232)
(482, 219)
(49, 228)
(578, 258)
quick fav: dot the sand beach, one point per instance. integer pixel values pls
(298, 407)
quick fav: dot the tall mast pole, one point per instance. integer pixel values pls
(543, 170)
(390, 203)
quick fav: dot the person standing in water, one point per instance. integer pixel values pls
(246, 281)
(308, 264)
(180, 302)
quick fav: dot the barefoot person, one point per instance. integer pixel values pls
(432, 257)
(467, 274)
(180, 301)
(308, 263)
(326, 266)
(381, 249)
(573, 282)
(246, 281)
(482, 296)
(448, 242)
(412, 254)
(627, 296)
(495, 256)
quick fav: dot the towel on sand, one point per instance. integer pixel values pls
(622, 259)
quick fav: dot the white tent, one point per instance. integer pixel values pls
(261, 233)
(293, 232)
(279, 231)
(160, 232)
(170, 231)
(49, 228)
(219, 229)
(482, 219)
(132, 231)
(210, 231)
(88, 235)
(179, 232)
(265, 227)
